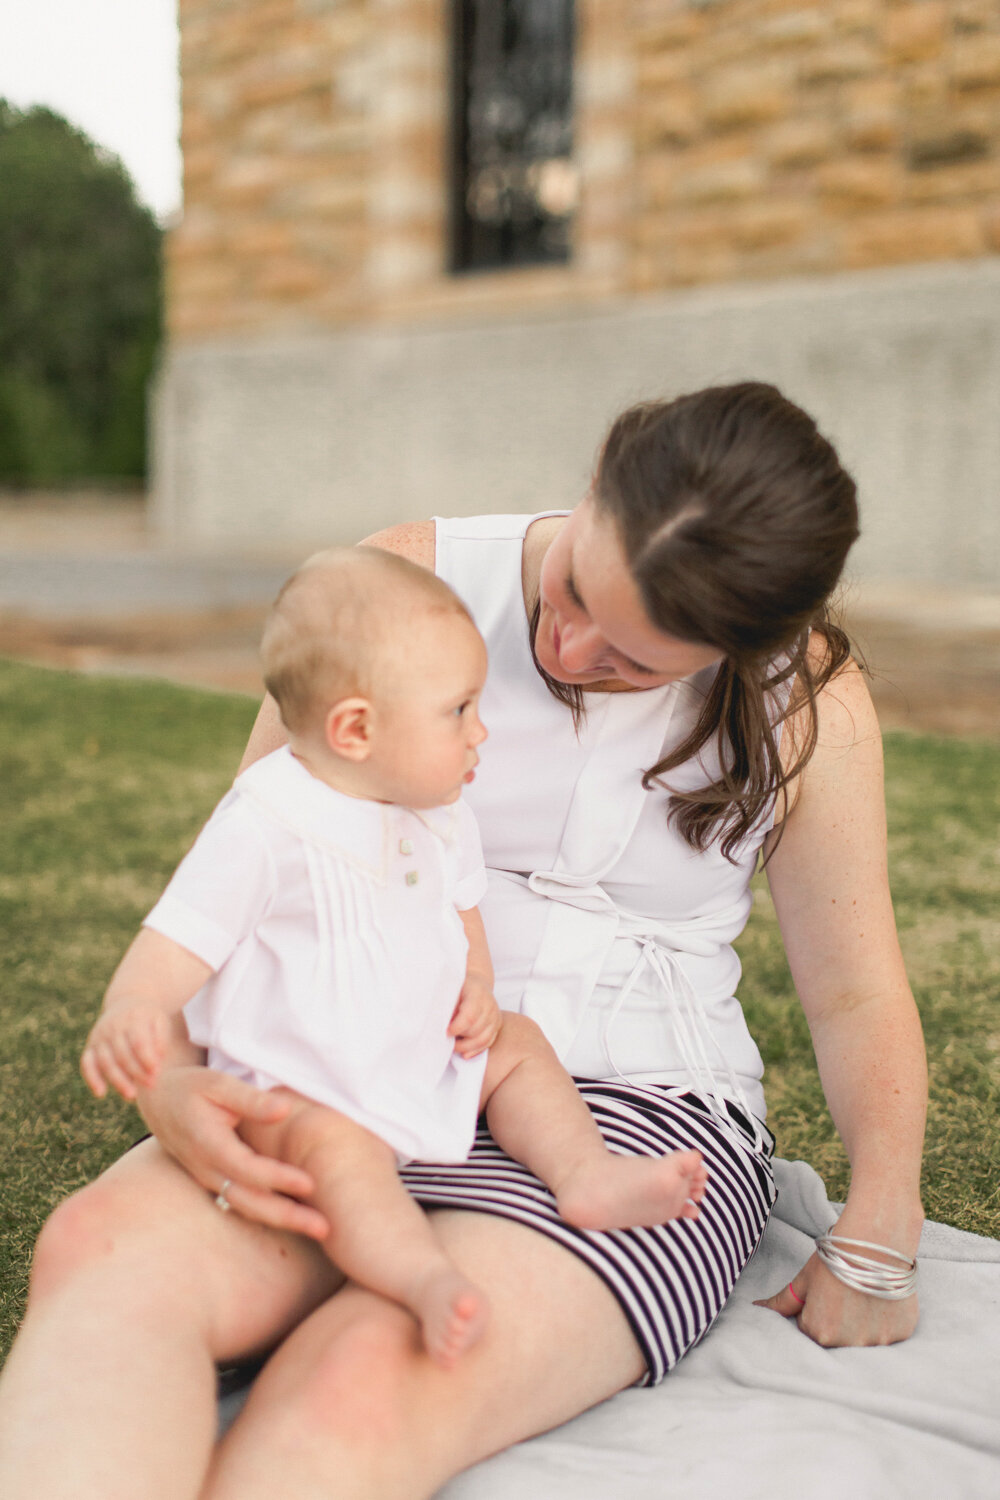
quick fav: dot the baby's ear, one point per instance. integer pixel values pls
(347, 728)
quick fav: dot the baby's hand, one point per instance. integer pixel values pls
(476, 1022)
(125, 1048)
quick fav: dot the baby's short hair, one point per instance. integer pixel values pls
(335, 623)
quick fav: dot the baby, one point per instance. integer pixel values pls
(323, 940)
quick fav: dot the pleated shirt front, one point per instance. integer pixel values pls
(333, 927)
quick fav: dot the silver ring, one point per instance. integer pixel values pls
(222, 1203)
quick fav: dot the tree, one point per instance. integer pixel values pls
(80, 305)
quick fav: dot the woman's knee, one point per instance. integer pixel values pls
(355, 1404)
(369, 1387)
(131, 1217)
(354, 1391)
(83, 1231)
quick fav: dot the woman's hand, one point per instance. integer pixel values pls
(835, 1316)
(195, 1114)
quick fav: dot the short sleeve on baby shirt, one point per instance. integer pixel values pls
(221, 889)
(470, 867)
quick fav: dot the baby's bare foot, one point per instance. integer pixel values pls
(453, 1314)
(627, 1192)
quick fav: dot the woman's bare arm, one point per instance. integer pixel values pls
(829, 879)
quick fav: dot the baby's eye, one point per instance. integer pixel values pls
(460, 710)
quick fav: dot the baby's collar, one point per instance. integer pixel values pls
(354, 828)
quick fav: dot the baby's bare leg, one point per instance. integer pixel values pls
(537, 1115)
(378, 1236)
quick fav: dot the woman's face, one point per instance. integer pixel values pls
(592, 626)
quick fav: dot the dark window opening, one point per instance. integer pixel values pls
(514, 185)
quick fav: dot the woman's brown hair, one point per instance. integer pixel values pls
(735, 516)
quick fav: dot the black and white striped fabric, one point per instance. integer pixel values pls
(672, 1281)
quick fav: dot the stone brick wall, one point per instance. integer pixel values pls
(315, 136)
(276, 164)
(775, 137)
(717, 140)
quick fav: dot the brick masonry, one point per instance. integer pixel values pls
(806, 193)
(778, 138)
(716, 141)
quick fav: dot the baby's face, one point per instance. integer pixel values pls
(426, 726)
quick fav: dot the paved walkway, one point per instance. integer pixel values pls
(81, 586)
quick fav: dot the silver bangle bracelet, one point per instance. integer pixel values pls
(862, 1274)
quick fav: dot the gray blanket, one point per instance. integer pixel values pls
(759, 1412)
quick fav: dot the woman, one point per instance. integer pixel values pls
(673, 625)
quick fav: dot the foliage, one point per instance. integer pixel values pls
(105, 781)
(79, 305)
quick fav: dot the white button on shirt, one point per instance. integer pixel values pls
(338, 972)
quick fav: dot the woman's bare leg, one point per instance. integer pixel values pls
(351, 1406)
(139, 1285)
(378, 1235)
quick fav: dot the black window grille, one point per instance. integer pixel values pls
(514, 184)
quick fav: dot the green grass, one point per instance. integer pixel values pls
(943, 800)
(104, 782)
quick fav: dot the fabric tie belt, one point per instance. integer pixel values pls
(582, 926)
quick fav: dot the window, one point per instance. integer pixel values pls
(514, 185)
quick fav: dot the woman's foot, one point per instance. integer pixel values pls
(452, 1313)
(629, 1192)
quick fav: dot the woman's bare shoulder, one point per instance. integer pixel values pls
(845, 721)
(846, 714)
(411, 539)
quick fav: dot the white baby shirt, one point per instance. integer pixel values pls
(333, 926)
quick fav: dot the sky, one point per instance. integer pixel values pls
(109, 66)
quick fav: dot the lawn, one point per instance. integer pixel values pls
(105, 781)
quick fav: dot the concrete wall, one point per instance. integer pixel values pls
(326, 438)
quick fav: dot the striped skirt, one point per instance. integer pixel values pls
(672, 1281)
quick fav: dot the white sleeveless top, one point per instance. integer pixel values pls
(604, 925)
